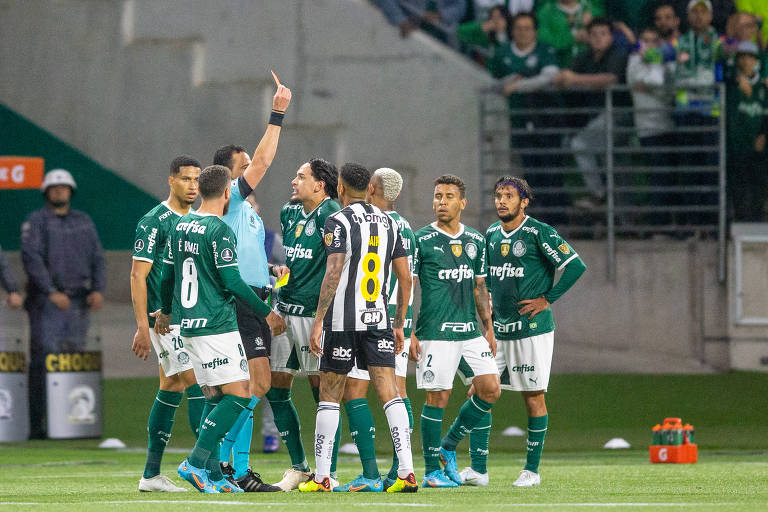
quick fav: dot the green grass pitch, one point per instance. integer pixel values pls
(728, 410)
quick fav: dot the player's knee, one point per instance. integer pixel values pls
(282, 380)
(490, 393)
(173, 384)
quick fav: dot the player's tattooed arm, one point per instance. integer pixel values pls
(333, 267)
(405, 283)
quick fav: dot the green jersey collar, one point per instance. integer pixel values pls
(512, 233)
(457, 235)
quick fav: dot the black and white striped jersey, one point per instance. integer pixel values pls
(370, 240)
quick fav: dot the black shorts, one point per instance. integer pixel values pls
(343, 349)
(254, 331)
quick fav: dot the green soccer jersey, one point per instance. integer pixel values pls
(409, 241)
(304, 256)
(522, 265)
(447, 266)
(151, 239)
(199, 247)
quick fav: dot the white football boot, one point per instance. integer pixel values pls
(471, 477)
(159, 483)
(292, 478)
(527, 479)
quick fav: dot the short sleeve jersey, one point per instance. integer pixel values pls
(522, 265)
(249, 230)
(149, 245)
(506, 61)
(199, 248)
(369, 240)
(447, 266)
(409, 243)
(304, 255)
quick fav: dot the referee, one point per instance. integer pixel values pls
(254, 269)
(362, 244)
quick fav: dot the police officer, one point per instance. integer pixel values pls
(64, 263)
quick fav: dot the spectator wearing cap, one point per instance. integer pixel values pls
(747, 97)
(64, 263)
(563, 26)
(760, 9)
(720, 10)
(9, 283)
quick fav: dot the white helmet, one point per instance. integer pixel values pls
(58, 177)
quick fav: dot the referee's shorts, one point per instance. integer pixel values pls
(254, 331)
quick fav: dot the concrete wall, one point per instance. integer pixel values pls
(134, 83)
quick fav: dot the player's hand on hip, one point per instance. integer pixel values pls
(141, 343)
(491, 338)
(282, 97)
(162, 322)
(276, 323)
(414, 353)
(316, 339)
(533, 307)
(399, 339)
(14, 300)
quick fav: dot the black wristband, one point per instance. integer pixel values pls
(276, 118)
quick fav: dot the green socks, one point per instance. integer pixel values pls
(364, 434)
(392, 475)
(431, 431)
(213, 429)
(159, 429)
(470, 414)
(195, 406)
(537, 430)
(478, 444)
(287, 423)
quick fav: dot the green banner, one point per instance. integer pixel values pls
(114, 204)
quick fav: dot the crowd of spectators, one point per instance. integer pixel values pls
(669, 53)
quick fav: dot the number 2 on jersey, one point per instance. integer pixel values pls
(370, 274)
(188, 283)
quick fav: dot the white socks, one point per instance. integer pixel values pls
(325, 432)
(397, 417)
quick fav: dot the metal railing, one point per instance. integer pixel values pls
(608, 178)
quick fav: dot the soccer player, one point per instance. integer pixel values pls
(523, 256)
(450, 264)
(174, 367)
(383, 190)
(254, 269)
(201, 273)
(302, 220)
(362, 243)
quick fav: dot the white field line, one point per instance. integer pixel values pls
(429, 505)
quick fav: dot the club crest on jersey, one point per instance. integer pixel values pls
(564, 248)
(519, 248)
(471, 251)
(309, 229)
(139, 245)
(504, 250)
(299, 229)
(456, 250)
(328, 239)
(227, 254)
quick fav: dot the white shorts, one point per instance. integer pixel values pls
(290, 350)
(169, 348)
(525, 364)
(440, 361)
(218, 358)
(401, 365)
